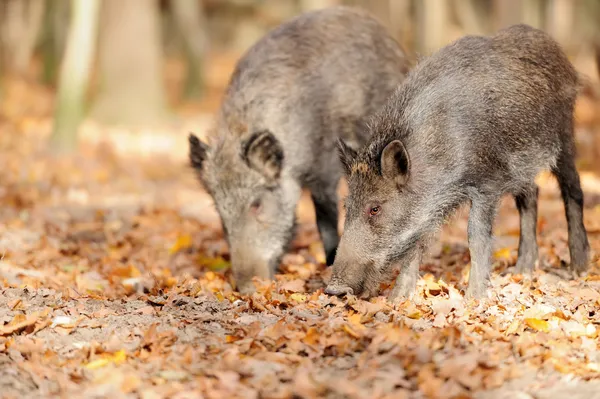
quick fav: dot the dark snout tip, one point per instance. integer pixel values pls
(193, 139)
(337, 290)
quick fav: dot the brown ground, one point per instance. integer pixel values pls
(115, 283)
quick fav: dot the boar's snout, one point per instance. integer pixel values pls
(246, 264)
(338, 290)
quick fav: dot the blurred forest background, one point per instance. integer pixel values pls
(140, 74)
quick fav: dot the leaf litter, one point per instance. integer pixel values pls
(113, 284)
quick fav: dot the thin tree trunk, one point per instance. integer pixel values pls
(508, 12)
(189, 17)
(533, 13)
(74, 74)
(560, 20)
(306, 5)
(33, 20)
(433, 17)
(400, 22)
(53, 38)
(131, 88)
(21, 24)
(469, 17)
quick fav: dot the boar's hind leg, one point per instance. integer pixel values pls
(325, 200)
(528, 249)
(570, 187)
(481, 220)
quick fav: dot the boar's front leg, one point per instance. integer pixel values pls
(528, 249)
(325, 199)
(481, 220)
(406, 282)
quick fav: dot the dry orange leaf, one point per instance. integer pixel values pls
(355, 320)
(311, 337)
(19, 323)
(351, 331)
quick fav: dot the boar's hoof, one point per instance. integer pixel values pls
(246, 289)
(338, 290)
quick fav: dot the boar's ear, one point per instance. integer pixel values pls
(346, 155)
(198, 152)
(395, 163)
(263, 152)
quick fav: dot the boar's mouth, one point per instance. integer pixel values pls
(365, 285)
(340, 289)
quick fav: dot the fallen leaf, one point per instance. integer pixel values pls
(504, 253)
(19, 323)
(298, 297)
(538, 325)
(105, 359)
(183, 242)
(295, 285)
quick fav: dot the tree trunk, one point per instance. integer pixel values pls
(74, 74)
(307, 5)
(470, 17)
(21, 25)
(54, 37)
(189, 18)
(131, 88)
(560, 20)
(508, 12)
(401, 25)
(533, 13)
(433, 18)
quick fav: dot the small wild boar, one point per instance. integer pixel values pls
(307, 82)
(478, 119)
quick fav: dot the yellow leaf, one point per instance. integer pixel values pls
(350, 331)
(96, 364)
(134, 271)
(231, 338)
(184, 241)
(503, 253)
(355, 319)
(296, 296)
(116, 358)
(217, 264)
(119, 357)
(513, 327)
(415, 315)
(538, 325)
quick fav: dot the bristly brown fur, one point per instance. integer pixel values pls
(307, 82)
(478, 119)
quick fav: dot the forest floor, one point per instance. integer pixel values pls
(114, 282)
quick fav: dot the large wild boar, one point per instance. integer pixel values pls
(478, 119)
(307, 82)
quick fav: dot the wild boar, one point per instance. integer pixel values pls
(307, 82)
(478, 119)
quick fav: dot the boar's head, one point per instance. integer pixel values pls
(381, 228)
(255, 200)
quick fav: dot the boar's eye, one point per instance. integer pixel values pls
(256, 205)
(374, 210)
